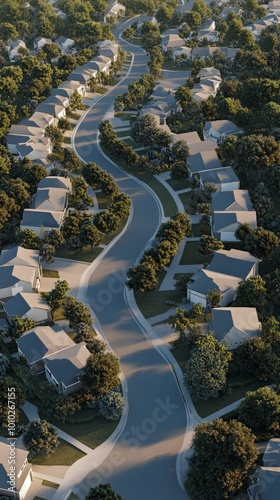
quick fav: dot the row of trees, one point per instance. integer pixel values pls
(143, 277)
(137, 90)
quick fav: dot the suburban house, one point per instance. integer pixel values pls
(64, 44)
(49, 206)
(258, 26)
(42, 222)
(81, 75)
(228, 210)
(23, 471)
(208, 31)
(199, 162)
(227, 10)
(182, 53)
(34, 148)
(63, 368)
(209, 82)
(70, 86)
(100, 64)
(18, 278)
(16, 255)
(14, 47)
(49, 106)
(218, 130)
(40, 42)
(234, 325)
(266, 480)
(206, 165)
(28, 305)
(171, 42)
(161, 107)
(115, 9)
(226, 271)
(40, 342)
(41, 120)
(204, 52)
(110, 50)
(224, 179)
(274, 7)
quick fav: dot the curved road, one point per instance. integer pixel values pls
(142, 464)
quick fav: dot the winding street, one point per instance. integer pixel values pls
(142, 463)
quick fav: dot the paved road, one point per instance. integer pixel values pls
(142, 464)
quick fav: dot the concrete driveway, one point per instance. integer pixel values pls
(69, 270)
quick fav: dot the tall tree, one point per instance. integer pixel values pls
(260, 410)
(224, 456)
(103, 491)
(40, 438)
(101, 374)
(206, 371)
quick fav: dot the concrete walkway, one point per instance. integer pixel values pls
(31, 412)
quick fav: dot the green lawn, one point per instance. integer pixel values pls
(50, 273)
(167, 201)
(107, 238)
(122, 133)
(91, 433)
(181, 355)
(87, 255)
(170, 65)
(178, 185)
(195, 230)
(67, 140)
(131, 142)
(124, 116)
(205, 408)
(65, 454)
(191, 254)
(58, 314)
(186, 199)
(136, 40)
(154, 303)
(103, 200)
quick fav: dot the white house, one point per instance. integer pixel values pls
(182, 53)
(229, 210)
(14, 47)
(40, 42)
(114, 10)
(226, 271)
(23, 470)
(234, 325)
(63, 368)
(28, 305)
(171, 42)
(224, 179)
(218, 130)
(266, 480)
(64, 44)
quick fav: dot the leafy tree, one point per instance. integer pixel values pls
(243, 231)
(101, 374)
(260, 411)
(180, 151)
(227, 148)
(76, 101)
(47, 253)
(57, 296)
(55, 238)
(90, 235)
(19, 325)
(54, 134)
(84, 333)
(111, 405)
(213, 298)
(256, 152)
(76, 312)
(256, 358)
(27, 238)
(261, 200)
(40, 438)
(251, 293)
(142, 277)
(6, 383)
(106, 221)
(103, 491)
(64, 124)
(179, 171)
(224, 456)
(207, 368)
(261, 243)
(96, 346)
(209, 244)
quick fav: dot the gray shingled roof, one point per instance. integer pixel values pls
(22, 302)
(43, 341)
(10, 275)
(206, 160)
(49, 199)
(236, 263)
(233, 201)
(244, 319)
(23, 256)
(67, 365)
(41, 218)
(219, 176)
(55, 182)
(229, 221)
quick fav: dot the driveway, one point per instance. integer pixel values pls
(69, 270)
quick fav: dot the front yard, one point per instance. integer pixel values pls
(191, 254)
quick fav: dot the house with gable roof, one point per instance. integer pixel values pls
(64, 368)
(64, 44)
(28, 305)
(218, 130)
(266, 480)
(14, 47)
(226, 271)
(234, 325)
(23, 470)
(40, 342)
(228, 210)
